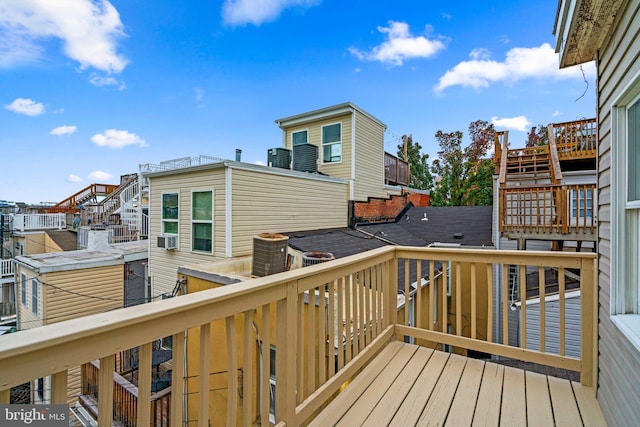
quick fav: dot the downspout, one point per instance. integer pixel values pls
(228, 212)
(353, 155)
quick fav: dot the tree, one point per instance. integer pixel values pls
(419, 175)
(465, 176)
(538, 135)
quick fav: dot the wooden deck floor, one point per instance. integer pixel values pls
(407, 385)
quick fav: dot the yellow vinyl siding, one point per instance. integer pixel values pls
(50, 244)
(369, 181)
(338, 170)
(264, 202)
(163, 264)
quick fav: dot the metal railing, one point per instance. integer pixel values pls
(183, 162)
(50, 221)
(326, 322)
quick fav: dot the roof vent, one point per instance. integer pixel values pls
(305, 158)
(457, 235)
(312, 258)
(269, 254)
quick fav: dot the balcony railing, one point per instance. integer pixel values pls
(50, 221)
(396, 171)
(548, 209)
(7, 268)
(576, 139)
(125, 394)
(326, 322)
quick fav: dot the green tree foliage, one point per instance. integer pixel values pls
(419, 174)
(538, 135)
(465, 175)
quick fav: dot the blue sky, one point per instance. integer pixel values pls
(90, 89)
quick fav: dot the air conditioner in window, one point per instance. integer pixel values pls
(168, 242)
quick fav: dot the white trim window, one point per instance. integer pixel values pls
(332, 143)
(170, 213)
(23, 289)
(202, 221)
(35, 296)
(625, 216)
(299, 137)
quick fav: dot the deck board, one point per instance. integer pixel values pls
(407, 385)
(359, 411)
(487, 411)
(539, 411)
(464, 402)
(396, 394)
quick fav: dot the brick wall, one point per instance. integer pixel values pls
(377, 210)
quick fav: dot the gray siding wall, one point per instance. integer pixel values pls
(552, 332)
(619, 360)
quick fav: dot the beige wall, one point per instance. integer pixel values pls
(265, 202)
(338, 170)
(163, 264)
(369, 180)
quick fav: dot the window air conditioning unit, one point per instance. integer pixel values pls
(168, 242)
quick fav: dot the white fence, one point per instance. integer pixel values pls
(26, 222)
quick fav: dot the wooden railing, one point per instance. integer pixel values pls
(125, 397)
(576, 139)
(396, 171)
(560, 209)
(326, 322)
(50, 221)
(72, 203)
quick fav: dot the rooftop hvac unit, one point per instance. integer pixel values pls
(311, 258)
(279, 158)
(168, 242)
(305, 158)
(269, 254)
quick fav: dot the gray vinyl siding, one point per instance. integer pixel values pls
(270, 203)
(619, 361)
(369, 176)
(163, 264)
(552, 320)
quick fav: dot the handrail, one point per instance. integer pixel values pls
(329, 320)
(71, 203)
(576, 139)
(48, 221)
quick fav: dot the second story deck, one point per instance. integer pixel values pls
(331, 336)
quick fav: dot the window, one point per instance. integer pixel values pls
(332, 143)
(40, 389)
(202, 221)
(300, 137)
(35, 295)
(625, 212)
(582, 203)
(170, 213)
(23, 289)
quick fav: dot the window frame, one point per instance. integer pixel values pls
(23, 290)
(35, 296)
(164, 220)
(324, 144)
(193, 221)
(299, 131)
(579, 204)
(625, 221)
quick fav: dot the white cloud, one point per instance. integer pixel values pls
(446, 16)
(114, 138)
(400, 45)
(99, 176)
(480, 53)
(256, 12)
(520, 123)
(520, 63)
(98, 80)
(74, 178)
(63, 130)
(557, 113)
(27, 107)
(88, 29)
(199, 94)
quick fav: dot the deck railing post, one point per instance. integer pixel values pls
(588, 323)
(391, 292)
(286, 355)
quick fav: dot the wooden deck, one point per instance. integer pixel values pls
(407, 385)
